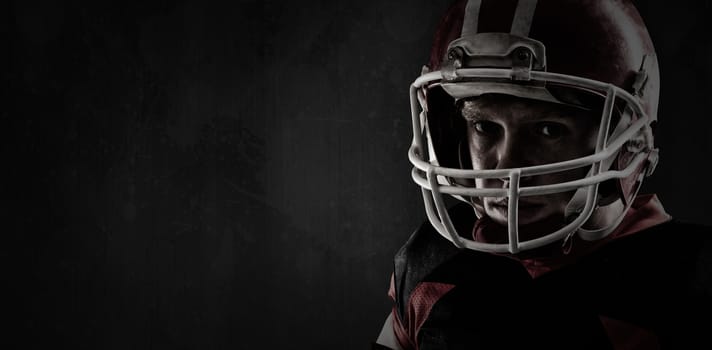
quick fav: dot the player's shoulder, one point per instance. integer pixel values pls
(426, 249)
(675, 236)
(684, 227)
(419, 256)
(674, 261)
(674, 242)
(675, 253)
(690, 244)
(427, 257)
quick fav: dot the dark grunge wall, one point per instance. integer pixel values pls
(183, 174)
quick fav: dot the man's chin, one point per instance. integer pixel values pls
(531, 225)
(525, 217)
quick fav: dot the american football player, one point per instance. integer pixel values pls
(533, 130)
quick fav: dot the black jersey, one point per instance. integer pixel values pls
(650, 290)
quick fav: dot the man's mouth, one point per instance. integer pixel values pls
(523, 205)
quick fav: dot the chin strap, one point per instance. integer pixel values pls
(578, 201)
(596, 234)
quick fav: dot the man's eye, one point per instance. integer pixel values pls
(550, 130)
(485, 127)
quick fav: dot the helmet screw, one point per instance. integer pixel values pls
(454, 54)
(523, 54)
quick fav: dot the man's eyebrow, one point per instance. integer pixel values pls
(470, 112)
(471, 116)
(554, 115)
(559, 115)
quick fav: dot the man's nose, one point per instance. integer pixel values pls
(512, 152)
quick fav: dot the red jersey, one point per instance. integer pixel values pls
(648, 285)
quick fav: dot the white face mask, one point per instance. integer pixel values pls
(631, 134)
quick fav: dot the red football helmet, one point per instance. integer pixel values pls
(590, 54)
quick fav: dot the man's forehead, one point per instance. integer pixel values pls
(495, 104)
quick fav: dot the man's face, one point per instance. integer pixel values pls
(510, 132)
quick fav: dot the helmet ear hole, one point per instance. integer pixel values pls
(608, 192)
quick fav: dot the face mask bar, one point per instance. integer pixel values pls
(426, 174)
